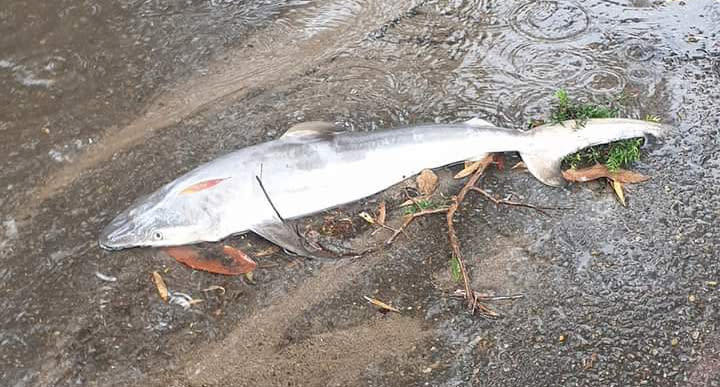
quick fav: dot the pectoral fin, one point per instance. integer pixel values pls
(287, 237)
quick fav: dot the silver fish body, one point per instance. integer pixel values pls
(313, 167)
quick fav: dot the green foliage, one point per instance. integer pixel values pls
(616, 155)
(566, 109)
(623, 153)
(455, 271)
(421, 205)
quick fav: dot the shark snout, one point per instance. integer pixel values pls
(118, 234)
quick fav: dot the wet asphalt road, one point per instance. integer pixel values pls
(101, 102)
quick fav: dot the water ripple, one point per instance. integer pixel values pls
(638, 51)
(604, 81)
(550, 20)
(542, 64)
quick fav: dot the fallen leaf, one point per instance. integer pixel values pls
(519, 165)
(250, 277)
(455, 270)
(367, 217)
(427, 181)
(267, 251)
(381, 213)
(618, 188)
(215, 287)
(598, 171)
(160, 285)
(470, 168)
(235, 261)
(381, 304)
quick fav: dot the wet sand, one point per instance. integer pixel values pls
(102, 102)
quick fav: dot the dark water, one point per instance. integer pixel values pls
(102, 101)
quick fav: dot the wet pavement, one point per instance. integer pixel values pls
(103, 101)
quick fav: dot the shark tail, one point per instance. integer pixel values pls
(550, 143)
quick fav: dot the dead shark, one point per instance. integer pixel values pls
(315, 166)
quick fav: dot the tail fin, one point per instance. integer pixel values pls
(550, 143)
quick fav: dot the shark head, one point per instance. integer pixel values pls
(164, 218)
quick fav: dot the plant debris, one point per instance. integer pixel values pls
(599, 171)
(427, 182)
(160, 285)
(231, 261)
(381, 304)
(458, 269)
(616, 155)
(410, 217)
(376, 222)
(618, 188)
(600, 161)
(381, 213)
(416, 205)
(452, 234)
(469, 169)
(455, 269)
(215, 287)
(367, 217)
(564, 108)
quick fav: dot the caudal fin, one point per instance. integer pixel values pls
(550, 143)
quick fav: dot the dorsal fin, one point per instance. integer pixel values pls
(478, 122)
(311, 129)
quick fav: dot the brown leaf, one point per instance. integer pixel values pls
(381, 304)
(381, 213)
(598, 171)
(470, 168)
(160, 285)
(235, 261)
(427, 181)
(519, 165)
(618, 188)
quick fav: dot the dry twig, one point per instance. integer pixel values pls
(409, 219)
(474, 300)
(512, 203)
(452, 234)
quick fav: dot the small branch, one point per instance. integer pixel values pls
(410, 218)
(484, 310)
(452, 234)
(482, 297)
(512, 203)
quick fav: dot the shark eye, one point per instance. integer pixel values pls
(157, 235)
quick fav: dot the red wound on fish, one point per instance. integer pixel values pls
(201, 186)
(234, 261)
